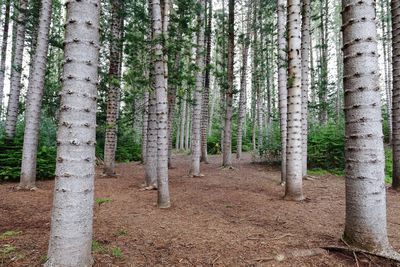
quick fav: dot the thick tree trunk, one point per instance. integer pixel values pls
(15, 85)
(205, 102)
(34, 99)
(396, 93)
(4, 53)
(161, 106)
(227, 153)
(294, 179)
(113, 98)
(197, 99)
(243, 83)
(72, 214)
(151, 153)
(305, 61)
(282, 82)
(365, 224)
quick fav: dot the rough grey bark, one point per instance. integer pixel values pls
(4, 52)
(72, 214)
(305, 61)
(16, 69)
(151, 152)
(365, 224)
(197, 96)
(113, 97)
(34, 98)
(294, 179)
(205, 102)
(160, 87)
(282, 82)
(227, 152)
(396, 92)
(243, 83)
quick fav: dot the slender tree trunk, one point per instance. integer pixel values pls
(34, 99)
(227, 155)
(305, 56)
(396, 92)
(72, 214)
(183, 122)
(4, 53)
(196, 121)
(161, 106)
(294, 179)
(365, 224)
(243, 83)
(282, 82)
(205, 101)
(114, 73)
(187, 125)
(145, 125)
(15, 85)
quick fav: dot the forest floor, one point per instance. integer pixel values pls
(226, 218)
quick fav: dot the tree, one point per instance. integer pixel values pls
(305, 56)
(72, 214)
(282, 82)
(113, 98)
(206, 91)
(243, 82)
(15, 86)
(227, 152)
(197, 96)
(294, 178)
(365, 224)
(4, 52)
(34, 99)
(396, 94)
(160, 88)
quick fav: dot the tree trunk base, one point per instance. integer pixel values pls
(26, 188)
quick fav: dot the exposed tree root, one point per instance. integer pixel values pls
(26, 188)
(389, 255)
(294, 254)
(148, 188)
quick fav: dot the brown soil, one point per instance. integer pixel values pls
(226, 218)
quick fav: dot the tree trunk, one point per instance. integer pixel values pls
(113, 98)
(16, 69)
(294, 179)
(396, 92)
(197, 99)
(145, 123)
(72, 214)
(161, 106)
(34, 99)
(305, 60)
(187, 125)
(205, 101)
(365, 224)
(227, 153)
(183, 122)
(4, 53)
(243, 83)
(151, 153)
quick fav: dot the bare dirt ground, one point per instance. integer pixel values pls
(226, 218)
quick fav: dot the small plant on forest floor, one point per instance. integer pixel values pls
(97, 246)
(43, 259)
(117, 252)
(7, 249)
(229, 206)
(102, 200)
(121, 232)
(10, 233)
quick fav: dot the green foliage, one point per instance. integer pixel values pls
(121, 232)
(97, 246)
(10, 233)
(11, 152)
(101, 200)
(388, 164)
(117, 252)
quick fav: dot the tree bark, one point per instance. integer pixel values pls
(145, 123)
(183, 122)
(72, 214)
(205, 102)
(243, 83)
(227, 153)
(396, 93)
(4, 53)
(305, 61)
(34, 99)
(197, 99)
(365, 224)
(114, 88)
(16, 69)
(294, 179)
(160, 87)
